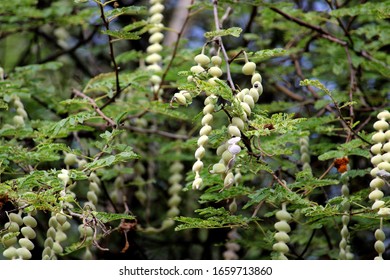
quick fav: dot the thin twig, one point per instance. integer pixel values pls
(95, 107)
(220, 43)
(289, 93)
(112, 56)
(316, 28)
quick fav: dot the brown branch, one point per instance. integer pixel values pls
(112, 56)
(352, 82)
(95, 107)
(316, 28)
(289, 93)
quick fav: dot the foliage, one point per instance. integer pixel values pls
(77, 95)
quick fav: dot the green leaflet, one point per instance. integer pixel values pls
(122, 35)
(233, 31)
(109, 217)
(111, 160)
(214, 218)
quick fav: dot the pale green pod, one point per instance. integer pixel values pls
(216, 60)
(175, 178)
(156, 8)
(205, 130)
(282, 226)
(219, 168)
(202, 59)
(154, 48)
(379, 246)
(70, 159)
(345, 219)
(173, 212)
(197, 183)
(179, 98)
(198, 165)
(248, 99)
(61, 218)
(376, 149)
(156, 37)
(226, 156)
(381, 125)
(377, 183)
(215, 71)
(177, 166)
(156, 18)
(175, 188)
(384, 115)
(386, 157)
(380, 235)
(246, 108)
(18, 121)
(49, 242)
(60, 236)
(256, 78)
(282, 236)
(8, 239)
(249, 68)
(229, 180)
(196, 69)
(15, 218)
(378, 137)
(153, 58)
(200, 152)
(23, 253)
(207, 118)
(12, 227)
(280, 247)
(238, 122)
(384, 165)
(377, 204)
(375, 195)
(234, 131)
(28, 232)
(254, 93)
(167, 223)
(26, 243)
(202, 141)
(57, 248)
(10, 253)
(208, 109)
(344, 232)
(283, 215)
(174, 200)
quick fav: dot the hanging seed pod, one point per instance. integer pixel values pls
(381, 162)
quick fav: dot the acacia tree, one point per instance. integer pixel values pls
(194, 129)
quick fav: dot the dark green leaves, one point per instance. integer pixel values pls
(213, 218)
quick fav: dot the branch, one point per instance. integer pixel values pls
(112, 55)
(220, 43)
(95, 107)
(316, 28)
(289, 93)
